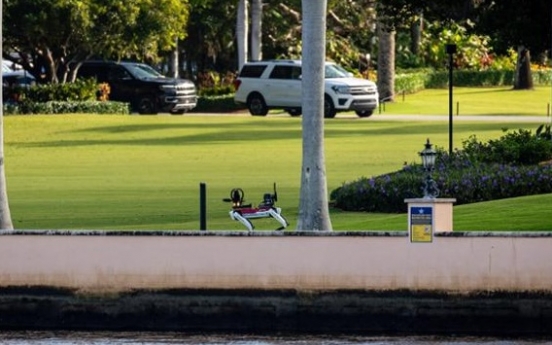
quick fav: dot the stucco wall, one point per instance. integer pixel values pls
(107, 261)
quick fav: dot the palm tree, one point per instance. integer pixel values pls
(313, 204)
(256, 29)
(5, 215)
(241, 32)
(386, 60)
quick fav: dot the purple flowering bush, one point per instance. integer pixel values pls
(517, 164)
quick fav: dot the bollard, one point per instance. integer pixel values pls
(457, 108)
(202, 207)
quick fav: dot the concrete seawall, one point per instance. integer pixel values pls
(361, 282)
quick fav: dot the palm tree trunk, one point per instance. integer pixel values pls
(416, 29)
(386, 62)
(5, 215)
(313, 204)
(241, 33)
(256, 30)
(173, 61)
(523, 78)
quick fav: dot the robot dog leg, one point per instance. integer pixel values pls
(236, 215)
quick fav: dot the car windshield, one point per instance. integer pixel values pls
(142, 71)
(336, 71)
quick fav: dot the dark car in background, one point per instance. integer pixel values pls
(12, 83)
(147, 90)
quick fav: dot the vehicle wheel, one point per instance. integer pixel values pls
(364, 113)
(329, 108)
(294, 111)
(257, 105)
(147, 105)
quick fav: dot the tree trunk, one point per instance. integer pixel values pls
(5, 215)
(50, 65)
(256, 30)
(241, 33)
(386, 62)
(523, 79)
(173, 61)
(416, 29)
(313, 203)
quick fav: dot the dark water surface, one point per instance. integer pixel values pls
(138, 338)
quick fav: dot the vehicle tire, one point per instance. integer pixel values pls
(147, 105)
(294, 111)
(364, 113)
(257, 105)
(329, 108)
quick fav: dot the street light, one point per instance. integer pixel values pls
(450, 49)
(428, 155)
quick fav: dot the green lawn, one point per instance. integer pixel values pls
(474, 101)
(143, 172)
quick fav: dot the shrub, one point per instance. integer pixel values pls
(212, 83)
(223, 103)
(518, 148)
(410, 83)
(80, 90)
(503, 168)
(59, 107)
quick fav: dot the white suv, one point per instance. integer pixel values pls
(276, 84)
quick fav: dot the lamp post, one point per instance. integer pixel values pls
(450, 49)
(428, 155)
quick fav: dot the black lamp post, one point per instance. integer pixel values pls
(428, 161)
(450, 49)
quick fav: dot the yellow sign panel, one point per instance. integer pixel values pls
(421, 233)
(421, 224)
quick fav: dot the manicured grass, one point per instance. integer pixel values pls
(474, 101)
(143, 172)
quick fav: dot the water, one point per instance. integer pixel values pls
(138, 338)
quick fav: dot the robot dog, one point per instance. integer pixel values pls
(266, 209)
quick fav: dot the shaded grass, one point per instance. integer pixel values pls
(143, 172)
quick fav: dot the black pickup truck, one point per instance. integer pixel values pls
(147, 91)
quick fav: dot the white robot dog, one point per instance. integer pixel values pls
(266, 209)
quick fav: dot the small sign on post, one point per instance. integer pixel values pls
(421, 224)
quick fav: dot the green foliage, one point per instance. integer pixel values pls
(410, 82)
(62, 33)
(429, 79)
(215, 104)
(82, 96)
(67, 107)
(483, 78)
(542, 77)
(504, 62)
(503, 168)
(440, 79)
(473, 52)
(212, 83)
(80, 90)
(521, 147)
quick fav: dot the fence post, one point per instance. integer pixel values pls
(202, 207)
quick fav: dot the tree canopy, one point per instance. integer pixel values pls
(51, 36)
(510, 23)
